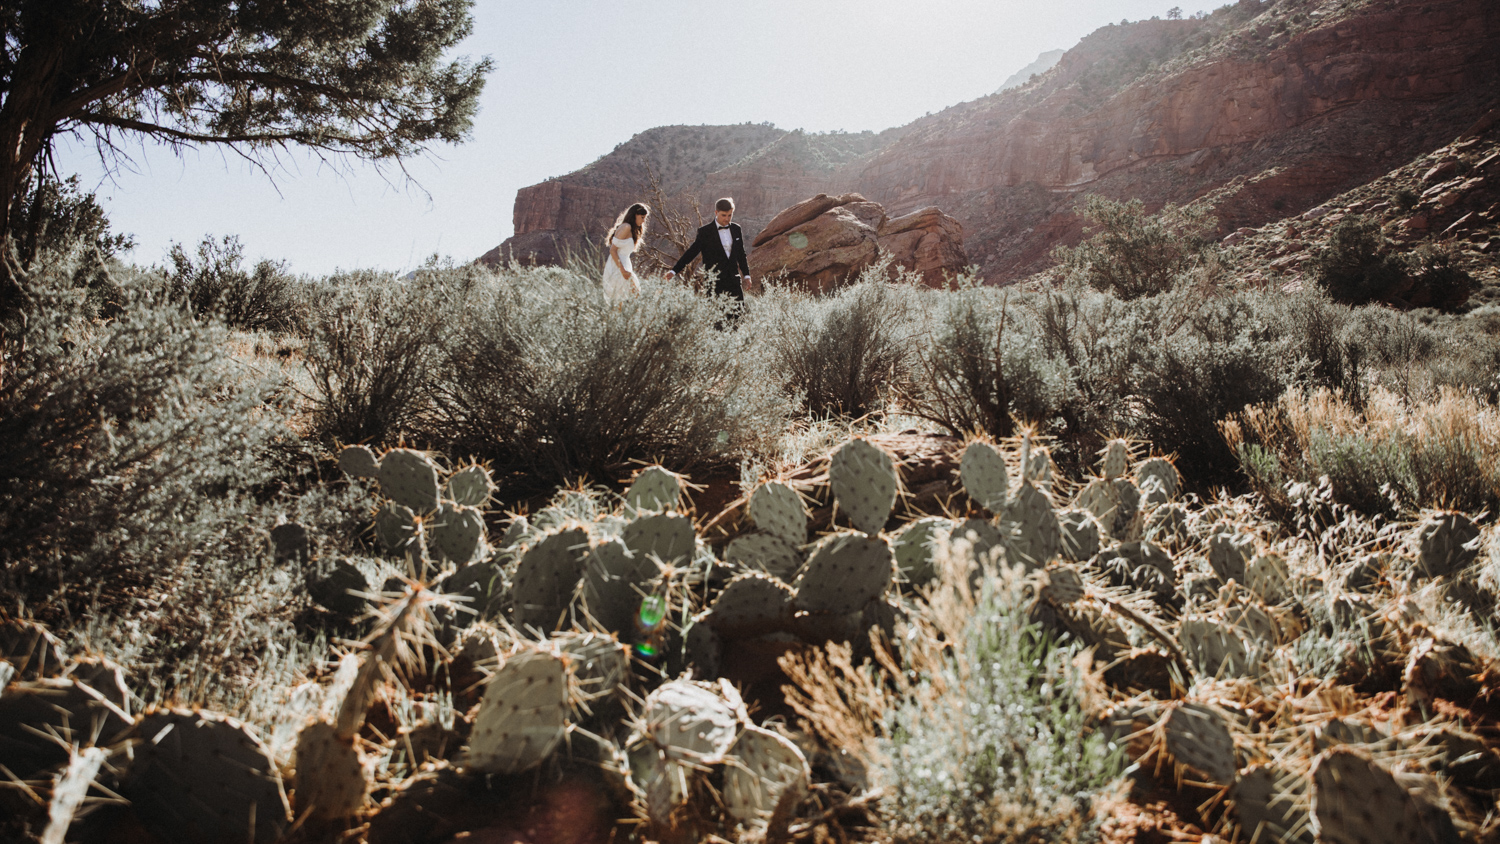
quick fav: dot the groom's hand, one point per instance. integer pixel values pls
(671, 275)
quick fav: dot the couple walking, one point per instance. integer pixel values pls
(720, 243)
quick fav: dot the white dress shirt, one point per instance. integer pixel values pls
(726, 238)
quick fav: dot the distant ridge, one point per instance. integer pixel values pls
(1043, 63)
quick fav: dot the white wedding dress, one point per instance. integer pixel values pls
(617, 287)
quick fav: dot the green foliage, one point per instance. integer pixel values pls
(1358, 264)
(1008, 747)
(1436, 274)
(216, 285)
(53, 218)
(843, 354)
(370, 347)
(1406, 199)
(545, 378)
(1132, 253)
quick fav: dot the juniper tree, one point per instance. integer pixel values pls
(364, 78)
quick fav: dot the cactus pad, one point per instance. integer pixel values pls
(69, 789)
(1036, 537)
(523, 716)
(203, 777)
(704, 650)
(546, 576)
(1158, 481)
(1268, 576)
(330, 777)
(470, 487)
(665, 537)
(1116, 459)
(763, 774)
(1064, 585)
(764, 552)
(1445, 543)
(982, 536)
(845, 572)
(1080, 535)
(456, 533)
(864, 483)
(915, 546)
(359, 461)
(1215, 649)
(1113, 503)
(334, 589)
(1229, 553)
(396, 528)
(614, 581)
(1198, 737)
(31, 649)
(751, 605)
(33, 712)
(290, 542)
(410, 479)
(597, 664)
(982, 471)
(654, 489)
(691, 722)
(777, 509)
(1168, 523)
(1355, 801)
(1268, 806)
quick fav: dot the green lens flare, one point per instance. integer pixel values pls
(653, 612)
(646, 650)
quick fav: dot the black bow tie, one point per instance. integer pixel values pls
(723, 228)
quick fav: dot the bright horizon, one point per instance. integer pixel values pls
(572, 81)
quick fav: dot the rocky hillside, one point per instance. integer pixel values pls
(1268, 108)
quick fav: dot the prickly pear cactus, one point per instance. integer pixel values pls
(1080, 535)
(359, 461)
(1116, 459)
(1198, 737)
(845, 572)
(1355, 801)
(1113, 503)
(752, 604)
(1445, 543)
(470, 487)
(1268, 576)
(456, 533)
(32, 712)
(69, 789)
(864, 484)
(203, 778)
(597, 665)
(1229, 553)
(691, 722)
(523, 716)
(915, 546)
(664, 537)
(777, 509)
(290, 543)
(1215, 648)
(330, 779)
(410, 479)
(764, 552)
(764, 776)
(31, 649)
(1158, 481)
(983, 538)
(984, 477)
(335, 589)
(1269, 804)
(614, 582)
(1168, 524)
(546, 576)
(1036, 537)
(1063, 585)
(653, 490)
(396, 529)
(703, 649)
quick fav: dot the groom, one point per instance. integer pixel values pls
(722, 246)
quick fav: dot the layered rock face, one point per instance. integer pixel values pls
(822, 242)
(1264, 110)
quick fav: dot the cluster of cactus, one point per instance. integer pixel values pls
(608, 636)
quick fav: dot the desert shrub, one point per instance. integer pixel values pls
(123, 445)
(551, 382)
(1405, 199)
(1436, 274)
(1358, 264)
(214, 284)
(1320, 329)
(371, 344)
(57, 225)
(1229, 353)
(982, 367)
(975, 731)
(842, 355)
(1132, 253)
(1389, 457)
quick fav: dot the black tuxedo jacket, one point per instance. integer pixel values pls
(729, 267)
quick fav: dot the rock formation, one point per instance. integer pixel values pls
(821, 242)
(1263, 110)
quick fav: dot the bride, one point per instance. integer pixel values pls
(619, 278)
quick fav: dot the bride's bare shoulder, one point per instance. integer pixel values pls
(623, 231)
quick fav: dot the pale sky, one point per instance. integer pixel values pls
(574, 78)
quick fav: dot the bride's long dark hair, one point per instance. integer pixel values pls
(637, 231)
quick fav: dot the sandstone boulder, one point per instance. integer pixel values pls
(823, 242)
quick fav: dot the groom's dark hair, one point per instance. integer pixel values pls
(725, 204)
